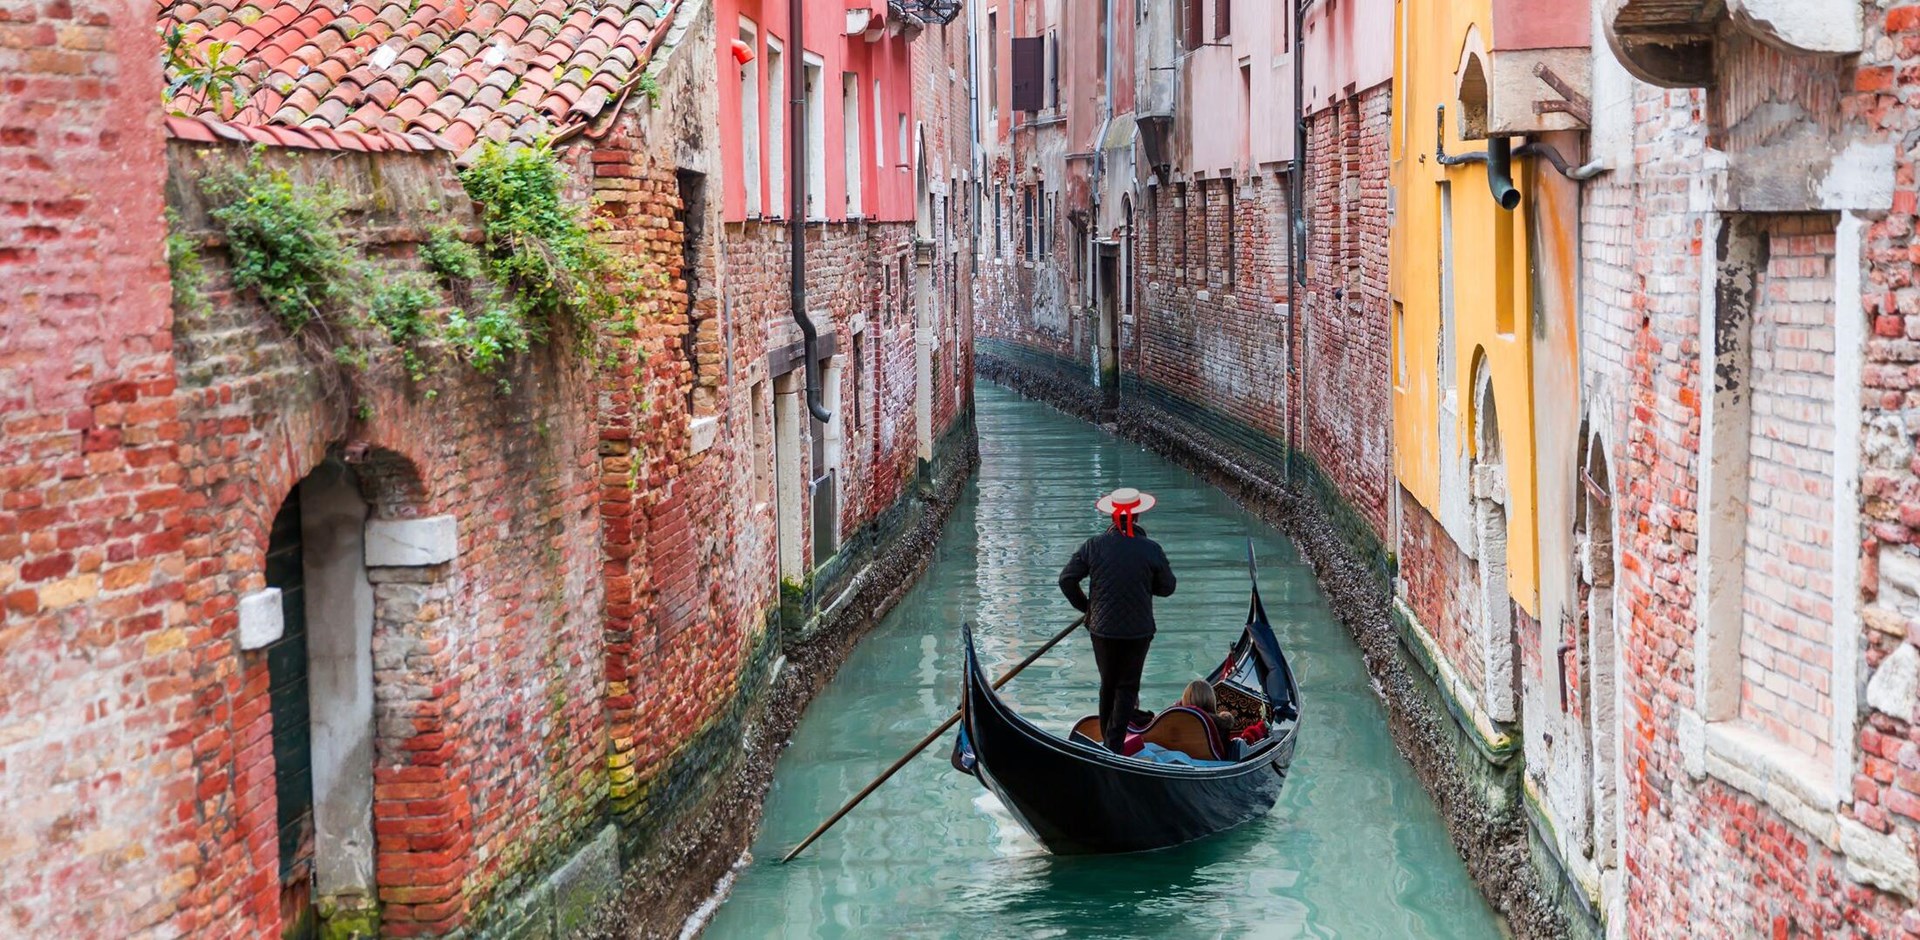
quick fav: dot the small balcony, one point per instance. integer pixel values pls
(1671, 42)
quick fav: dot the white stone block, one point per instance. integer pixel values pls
(1891, 689)
(1884, 860)
(261, 621)
(703, 432)
(412, 543)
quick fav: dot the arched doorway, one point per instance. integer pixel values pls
(1597, 649)
(320, 696)
(1500, 665)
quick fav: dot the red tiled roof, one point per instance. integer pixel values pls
(416, 74)
(209, 130)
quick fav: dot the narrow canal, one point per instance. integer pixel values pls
(1354, 848)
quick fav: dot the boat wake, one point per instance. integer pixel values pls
(1009, 839)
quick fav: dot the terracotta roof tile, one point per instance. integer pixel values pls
(351, 74)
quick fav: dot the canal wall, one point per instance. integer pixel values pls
(1474, 774)
(388, 549)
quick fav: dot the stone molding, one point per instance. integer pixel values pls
(261, 618)
(412, 543)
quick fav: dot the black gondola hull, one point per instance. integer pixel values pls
(1077, 799)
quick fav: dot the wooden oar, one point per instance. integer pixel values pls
(929, 739)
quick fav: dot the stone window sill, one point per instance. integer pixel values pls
(1792, 784)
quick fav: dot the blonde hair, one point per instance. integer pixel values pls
(1199, 694)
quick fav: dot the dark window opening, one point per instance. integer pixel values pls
(702, 338)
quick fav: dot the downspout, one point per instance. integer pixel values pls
(1296, 230)
(1498, 157)
(797, 213)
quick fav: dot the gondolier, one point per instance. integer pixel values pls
(1128, 570)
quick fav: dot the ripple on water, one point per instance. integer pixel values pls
(1354, 848)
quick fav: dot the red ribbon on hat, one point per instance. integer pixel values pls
(1123, 516)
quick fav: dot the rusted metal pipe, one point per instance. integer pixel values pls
(797, 213)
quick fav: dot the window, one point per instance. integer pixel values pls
(850, 139)
(879, 137)
(993, 72)
(1233, 264)
(776, 126)
(1180, 233)
(1053, 68)
(1191, 16)
(1206, 266)
(1101, 44)
(999, 238)
(900, 130)
(859, 381)
(1029, 73)
(1246, 110)
(1026, 221)
(1399, 346)
(750, 120)
(816, 111)
(702, 339)
(1223, 18)
(1448, 381)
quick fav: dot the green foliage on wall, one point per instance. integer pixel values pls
(538, 268)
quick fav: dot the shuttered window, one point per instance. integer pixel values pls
(1029, 73)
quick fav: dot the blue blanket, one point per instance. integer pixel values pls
(1160, 755)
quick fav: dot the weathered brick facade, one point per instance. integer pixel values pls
(96, 695)
(1819, 592)
(552, 592)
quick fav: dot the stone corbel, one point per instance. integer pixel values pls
(1813, 27)
(1670, 44)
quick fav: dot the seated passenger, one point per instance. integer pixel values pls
(1199, 697)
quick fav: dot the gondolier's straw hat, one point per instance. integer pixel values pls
(1125, 499)
(1123, 504)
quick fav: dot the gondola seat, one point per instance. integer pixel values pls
(1179, 728)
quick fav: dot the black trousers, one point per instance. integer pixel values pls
(1120, 662)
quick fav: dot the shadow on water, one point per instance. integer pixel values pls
(1353, 848)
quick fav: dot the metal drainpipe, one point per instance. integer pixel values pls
(797, 213)
(1296, 230)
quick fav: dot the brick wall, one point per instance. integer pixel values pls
(1195, 335)
(1704, 855)
(97, 802)
(605, 618)
(487, 726)
(1442, 589)
(1345, 369)
(1785, 641)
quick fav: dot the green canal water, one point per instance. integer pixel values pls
(1353, 849)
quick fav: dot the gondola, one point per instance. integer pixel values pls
(1077, 798)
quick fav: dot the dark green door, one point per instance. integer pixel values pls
(292, 730)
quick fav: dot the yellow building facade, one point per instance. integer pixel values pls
(1461, 294)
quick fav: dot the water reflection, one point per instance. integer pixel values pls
(1353, 849)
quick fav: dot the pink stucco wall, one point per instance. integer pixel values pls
(1238, 95)
(1349, 44)
(1540, 24)
(887, 190)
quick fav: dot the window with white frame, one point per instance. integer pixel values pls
(850, 139)
(815, 108)
(776, 127)
(879, 130)
(750, 176)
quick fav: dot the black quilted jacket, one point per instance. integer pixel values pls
(1128, 573)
